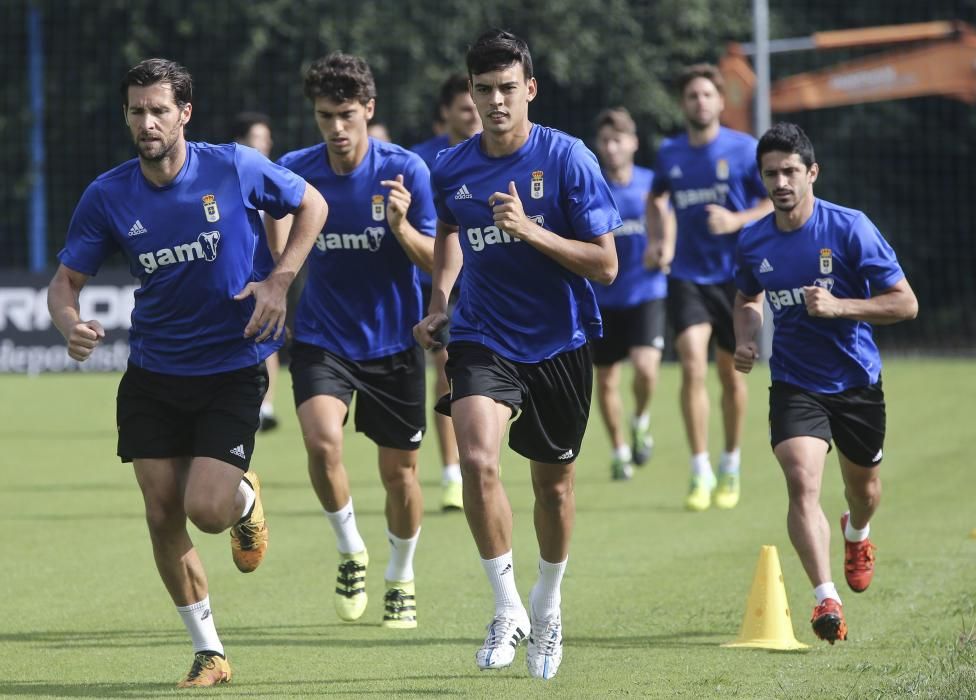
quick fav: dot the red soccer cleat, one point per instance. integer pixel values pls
(858, 560)
(828, 621)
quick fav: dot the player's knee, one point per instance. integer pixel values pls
(324, 447)
(164, 518)
(207, 514)
(553, 495)
(399, 477)
(479, 465)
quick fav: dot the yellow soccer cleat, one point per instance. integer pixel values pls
(452, 496)
(350, 592)
(208, 670)
(249, 537)
(400, 605)
(727, 492)
(700, 495)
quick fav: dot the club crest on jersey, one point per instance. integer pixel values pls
(379, 207)
(722, 169)
(210, 208)
(537, 189)
(826, 261)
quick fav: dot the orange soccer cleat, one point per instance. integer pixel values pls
(828, 621)
(858, 560)
(208, 669)
(249, 537)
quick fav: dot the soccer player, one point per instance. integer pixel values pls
(633, 306)
(461, 122)
(377, 130)
(529, 211)
(185, 216)
(709, 176)
(254, 129)
(353, 326)
(828, 275)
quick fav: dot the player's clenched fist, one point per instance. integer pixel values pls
(745, 356)
(821, 303)
(83, 339)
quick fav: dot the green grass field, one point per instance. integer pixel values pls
(650, 594)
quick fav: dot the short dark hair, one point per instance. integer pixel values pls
(159, 70)
(617, 118)
(700, 70)
(244, 121)
(497, 49)
(788, 138)
(340, 77)
(456, 84)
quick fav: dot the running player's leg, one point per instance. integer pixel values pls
(404, 510)
(612, 412)
(734, 401)
(646, 361)
(451, 496)
(692, 347)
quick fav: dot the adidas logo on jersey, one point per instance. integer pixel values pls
(137, 229)
(417, 436)
(203, 248)
(675, 171)
(238, 452)
(463, 193)
(764, 266)
(568, 454)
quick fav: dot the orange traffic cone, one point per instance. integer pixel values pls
(767, 623)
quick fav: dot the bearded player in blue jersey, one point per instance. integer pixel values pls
(632, 307)
(708, 177)
(353, 326)
(828, 275)
(186, 217)
(527, 210)
(461, 121)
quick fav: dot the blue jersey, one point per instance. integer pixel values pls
(722, 172)
(362, 298)
(192, 245)
(635, 284)
(838, 249)
(428, 150)
(514, 299)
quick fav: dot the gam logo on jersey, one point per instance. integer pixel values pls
(370, 239)
(704, 195)
(203, 248)
(489, 235)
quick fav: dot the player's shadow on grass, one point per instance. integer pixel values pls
(283, 688)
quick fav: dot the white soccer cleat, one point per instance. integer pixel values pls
(504, 635)
(545, 647)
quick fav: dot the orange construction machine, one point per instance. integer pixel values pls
(941, 61)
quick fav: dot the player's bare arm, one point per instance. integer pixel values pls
(662, 228)
(722, 221)
(418, 247)
(269, 295)
(747, 317)
(62, 302)
(595, 260)
(897, 303)
(447, 265)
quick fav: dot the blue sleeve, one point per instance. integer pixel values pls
(661, 183)
(440, 206)
(265, 185)
(421, 214)
(745, 281)
(588, 202)
(876, 260)
(89, 241)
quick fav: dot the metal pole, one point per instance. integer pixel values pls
(37, 221)
(760, 29)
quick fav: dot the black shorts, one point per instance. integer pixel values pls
(553, 396)
(443, 336)
(854, 418)
(690, 303)
(164, 415)
(629, 327)
(391, 391)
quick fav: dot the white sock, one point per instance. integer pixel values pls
(826, 590)
(267, 410)
(545, 596)
(641, 422)
(451, 474)
(247, 491)
(728, 463)
(623, 453)
(343, 523)
(501, 576)
(400, 567)
(852, 534)
(700, 465)
(199, 621)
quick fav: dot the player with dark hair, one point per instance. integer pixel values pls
(828, 275)
(186, 217)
